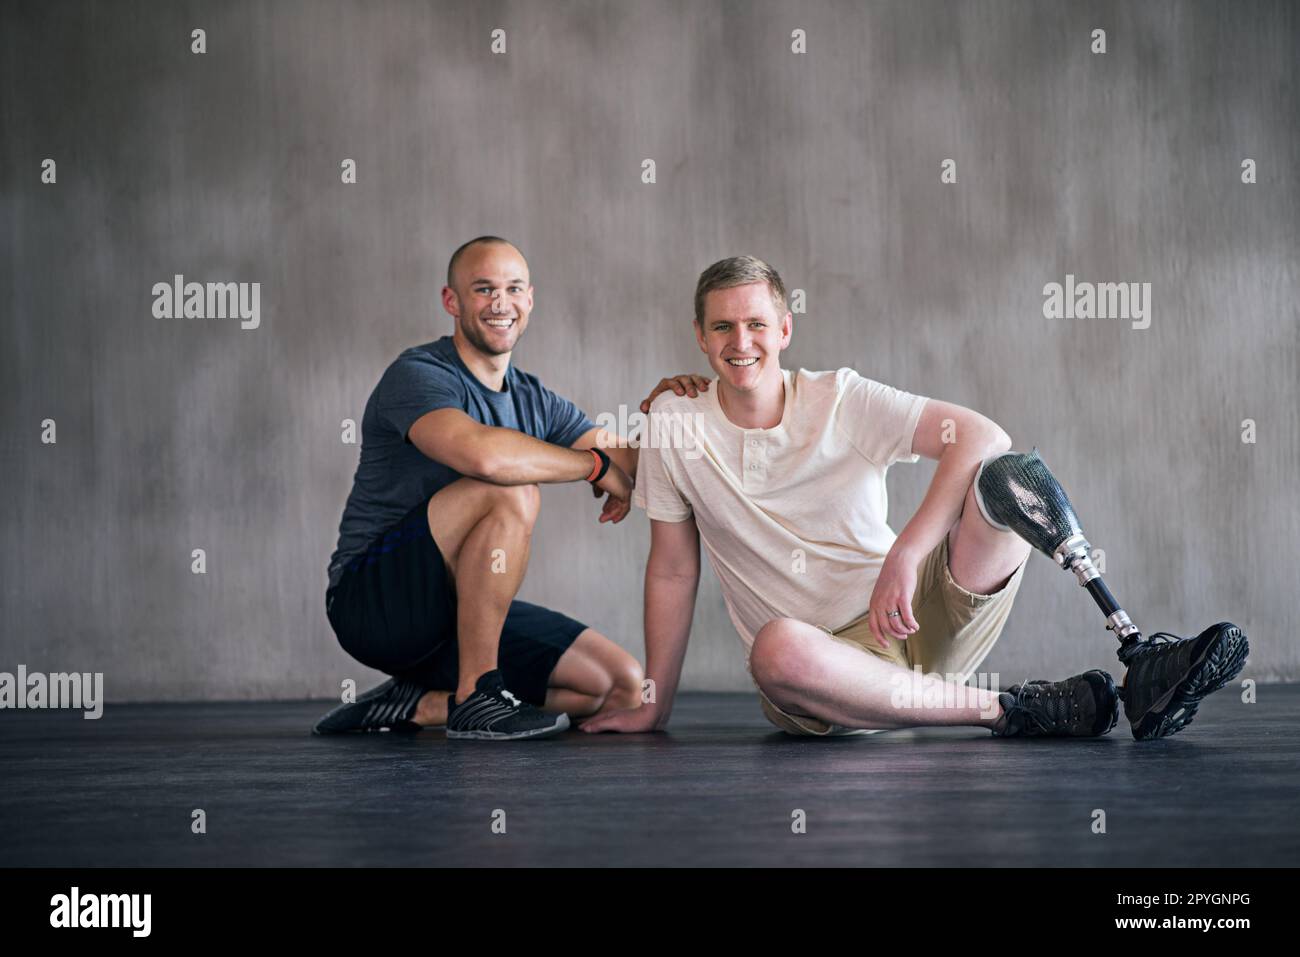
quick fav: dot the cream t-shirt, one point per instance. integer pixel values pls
(792, 517)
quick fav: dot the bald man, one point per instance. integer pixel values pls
(434, 540)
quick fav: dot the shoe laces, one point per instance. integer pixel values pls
(1054, 712)
(1137, 649)
(1156, 642)
(511, 698)
(1158, 667)
(1163, 638)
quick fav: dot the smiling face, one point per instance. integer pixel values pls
(743, 335)
(491, 297)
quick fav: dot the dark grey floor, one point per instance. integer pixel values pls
(719, 789)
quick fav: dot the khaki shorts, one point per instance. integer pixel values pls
(956, 630)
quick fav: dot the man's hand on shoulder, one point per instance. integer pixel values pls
(685, 384)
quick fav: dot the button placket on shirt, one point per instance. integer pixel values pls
(754, 461)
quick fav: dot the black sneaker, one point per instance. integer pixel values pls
(387, 707)
(1168, 676)
(492, 713)
(1085, 706)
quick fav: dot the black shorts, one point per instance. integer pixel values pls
(394, 610)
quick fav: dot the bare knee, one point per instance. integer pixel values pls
(520, 502)
(619, 674)
(626, 681)
(777, 659)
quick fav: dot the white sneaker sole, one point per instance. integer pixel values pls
(560, 726)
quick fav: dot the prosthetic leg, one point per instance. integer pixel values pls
(1167, 675)
(1017, 493)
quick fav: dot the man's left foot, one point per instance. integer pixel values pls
(1168, 676)
(389, 707)
(1085, 706)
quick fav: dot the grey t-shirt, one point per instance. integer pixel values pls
(394, 476)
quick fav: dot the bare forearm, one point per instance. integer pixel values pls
(942, 504)
(509, 457)
(615, 446)
(669, 607)
(624, 458)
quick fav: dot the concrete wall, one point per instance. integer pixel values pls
(182, 434)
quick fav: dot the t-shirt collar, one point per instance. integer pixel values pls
(469, 374)
(721, 416)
